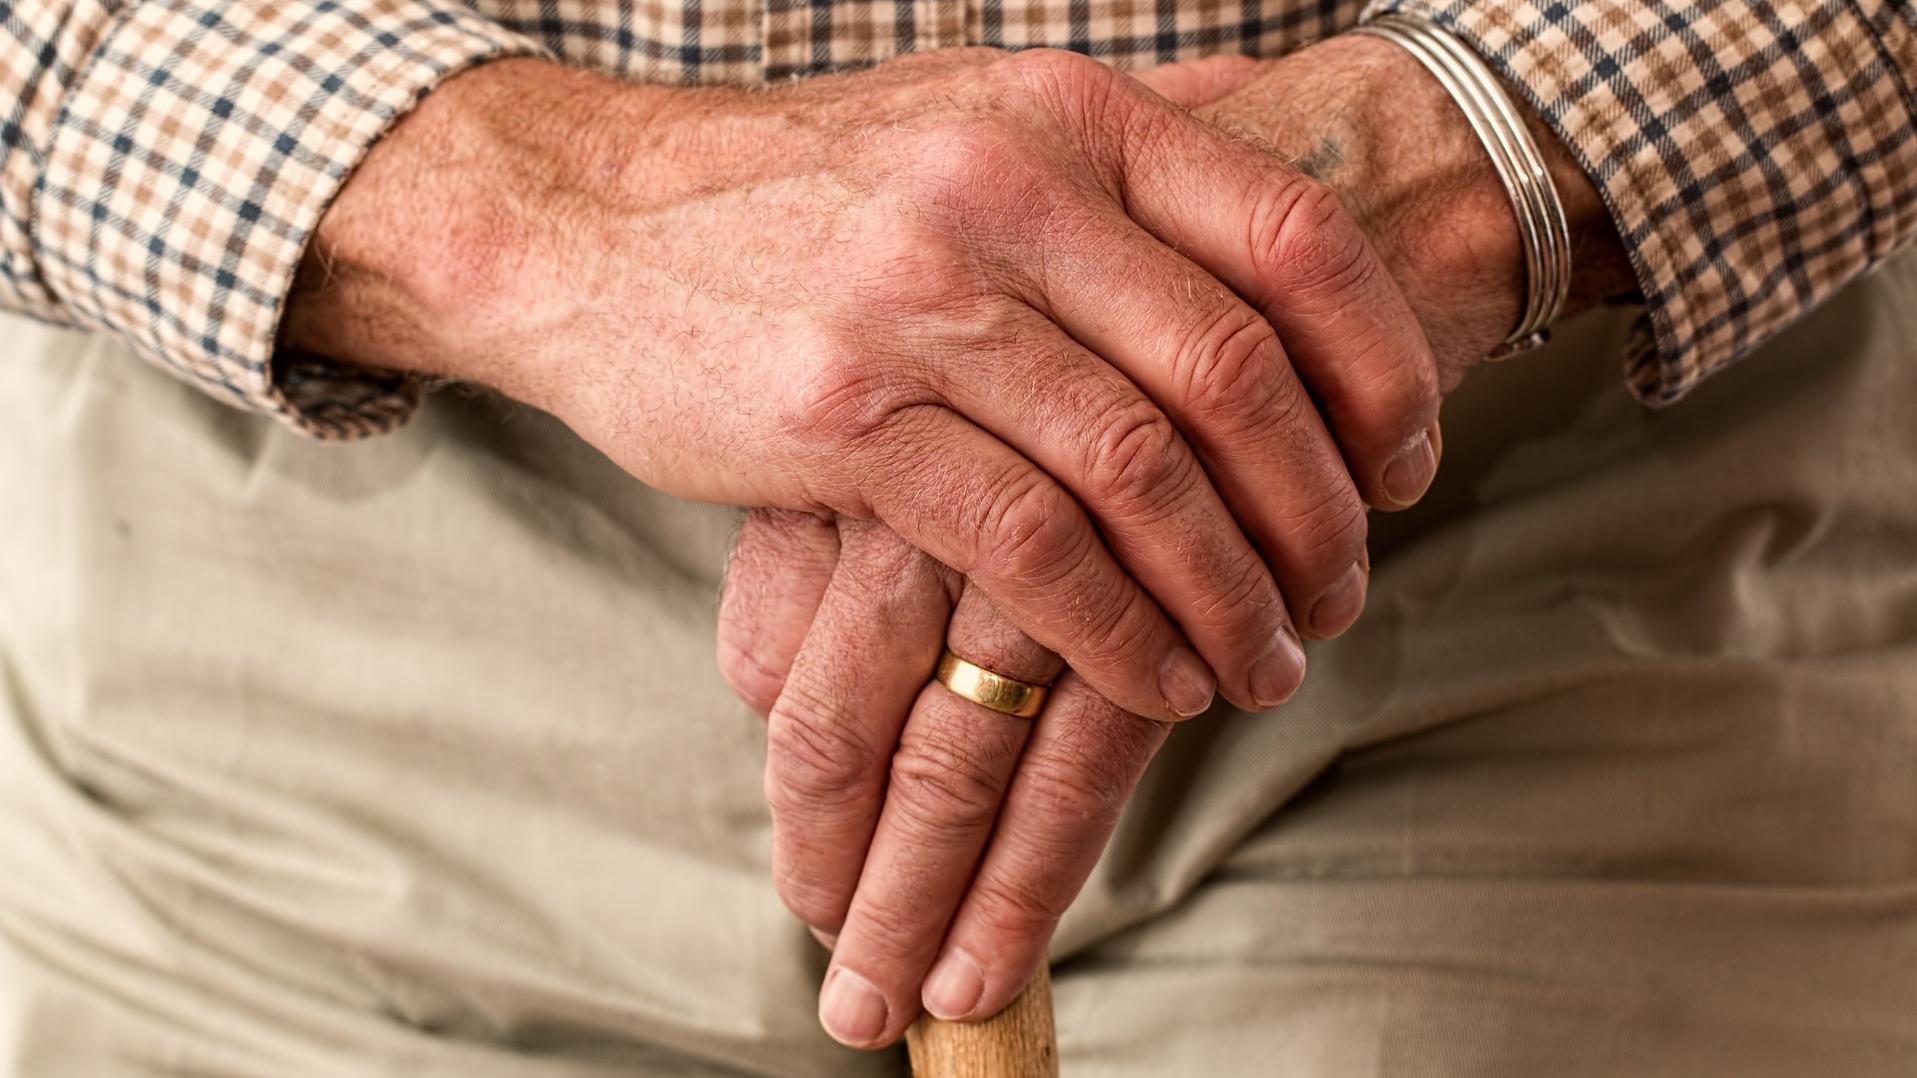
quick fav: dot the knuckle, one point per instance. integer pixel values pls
(1020, 903)
(1056, 70)
(986, 175)
(1289, 407)
(844, 397)
(1394, 393)
(1304, 237)
(1081, 93)
(1137, 462)
(1073, 792)
(892, 931)
(1117, 635)
(1418, 395)
(1423, 395)
(929, 268)
(1332, 531)
(1249, 597)
(812, 763)
(882, 569)
(943, 784)
(1033, 535)
(1227, 362)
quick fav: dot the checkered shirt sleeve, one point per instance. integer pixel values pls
(163, 162)
(1755, 154)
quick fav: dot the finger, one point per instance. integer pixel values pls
(953, 761)
(775, 577)
(1154, 503)
(1192, 83)
(878, 634)
(1285, 243)
(1216, 367)
(978, 506)
(1080, 765)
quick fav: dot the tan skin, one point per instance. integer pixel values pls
(974, 833)
(834, 298)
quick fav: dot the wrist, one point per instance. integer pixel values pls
(1363, 116)
(463, 229)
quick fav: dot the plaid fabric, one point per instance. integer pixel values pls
(162, 162)
(1755, 154)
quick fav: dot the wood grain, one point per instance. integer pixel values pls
(1019, 1042)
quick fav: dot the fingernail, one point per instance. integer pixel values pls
(953, 989)
(851, 1009)
(826, 939)
(1411, 471)
(1186, 682)
(1276, 676)
(1338, 607)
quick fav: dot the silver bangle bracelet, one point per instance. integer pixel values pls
(1543, 231)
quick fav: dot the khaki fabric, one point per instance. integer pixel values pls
(410, 757)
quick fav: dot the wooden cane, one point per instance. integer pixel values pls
(1018, 1042)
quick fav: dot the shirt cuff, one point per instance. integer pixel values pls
(195, 153)
(1749, 153)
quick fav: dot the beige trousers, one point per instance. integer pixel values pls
(410, 757)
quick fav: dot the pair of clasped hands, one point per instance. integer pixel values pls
(1126, 386)
(1122, 388)
(1088, 377)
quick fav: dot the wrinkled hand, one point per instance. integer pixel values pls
(926, 832)
(950, 840)
(991, 301)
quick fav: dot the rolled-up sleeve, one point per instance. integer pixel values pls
(1755, 154)
(163, 163)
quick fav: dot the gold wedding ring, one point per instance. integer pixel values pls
(1009, 696)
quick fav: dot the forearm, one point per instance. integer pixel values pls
(444, 250)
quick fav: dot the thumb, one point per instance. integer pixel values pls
(1194, 83)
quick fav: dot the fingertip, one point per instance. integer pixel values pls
(1276, 676)
(750, 680)
(955, 987)
(997, 982)
(1341, 603)
(1187, 684)
(1409, 473)
(853, 1011)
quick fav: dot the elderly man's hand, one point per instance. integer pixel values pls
(941, 846)
(885, 790)
(992, 302)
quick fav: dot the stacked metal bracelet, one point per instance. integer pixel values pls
(1545, 234)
